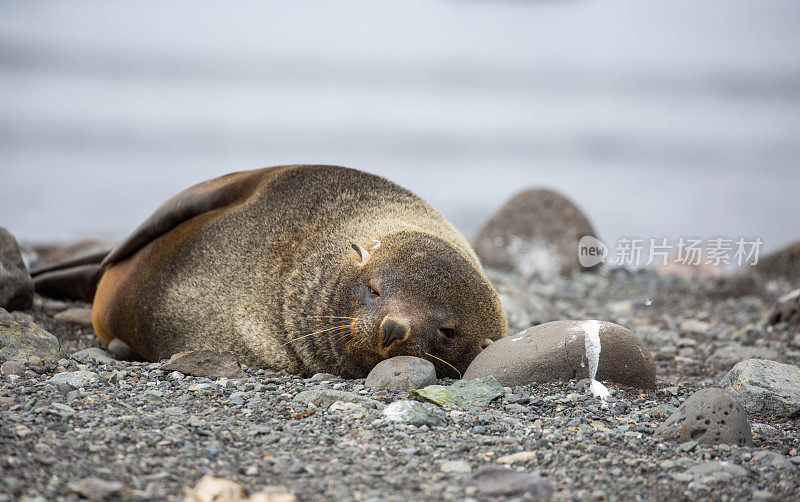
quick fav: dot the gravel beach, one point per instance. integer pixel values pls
(131, 431)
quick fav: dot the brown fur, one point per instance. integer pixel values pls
(264, 264)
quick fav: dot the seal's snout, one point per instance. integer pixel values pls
(394, 330)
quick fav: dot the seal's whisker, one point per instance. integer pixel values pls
(314, 333)
(328, 317)
(442, 360)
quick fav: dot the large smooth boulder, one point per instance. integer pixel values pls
(558, 351)
(16, 285)
(535, 233)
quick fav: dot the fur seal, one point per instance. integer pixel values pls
(300, 268)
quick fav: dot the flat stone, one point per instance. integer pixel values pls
(23, 340)
(764, 386)
(403, 373)
(82, 316)
(16, 285)
(731, 354)
(557, 351)
(535, 233)
(494, 480)
(323, 398)
(96, 488)
(462, 394)
(711, 472)
(710, 416)
(455, 466)
(519, 457)
(76, 379)
(93, 355)
(415, 413)
(205, 363)
(694, 326)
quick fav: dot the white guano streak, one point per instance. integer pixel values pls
(591, 330)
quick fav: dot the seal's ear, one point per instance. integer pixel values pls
(363, 254)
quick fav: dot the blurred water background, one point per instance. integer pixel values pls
(660, 119)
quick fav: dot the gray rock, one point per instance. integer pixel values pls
(82, 316)
(76, 379)
(535, 233)
(12, 368)
(323, 398)
(93, 355)
(764, 386)
(711, 472)
(710, 416)
(557, 351)
(498, 481)
(786, 309)
(96, 489)
(23, 340)
(403, 373)
(774, 460)
(731, 354)
(415, 413)
(205, 363)
(16, 285)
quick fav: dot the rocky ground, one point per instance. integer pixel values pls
(130, 430)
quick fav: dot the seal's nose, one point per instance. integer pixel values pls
(393, 330)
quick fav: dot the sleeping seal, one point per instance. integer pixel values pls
(300, 268)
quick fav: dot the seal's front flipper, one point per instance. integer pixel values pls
(73, 283)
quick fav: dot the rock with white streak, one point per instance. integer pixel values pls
(567, 350)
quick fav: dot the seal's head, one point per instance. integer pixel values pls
(414, 294)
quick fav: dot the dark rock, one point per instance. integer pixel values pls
(764, 386)
(23, 340)
(742, 283)
(710, 416)
(535, 233)
(415, 413)
(557, 351)
(782, 264)
(498, 481)
(16, 285)
(205, 363)
(787, 309)
(403, 373)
